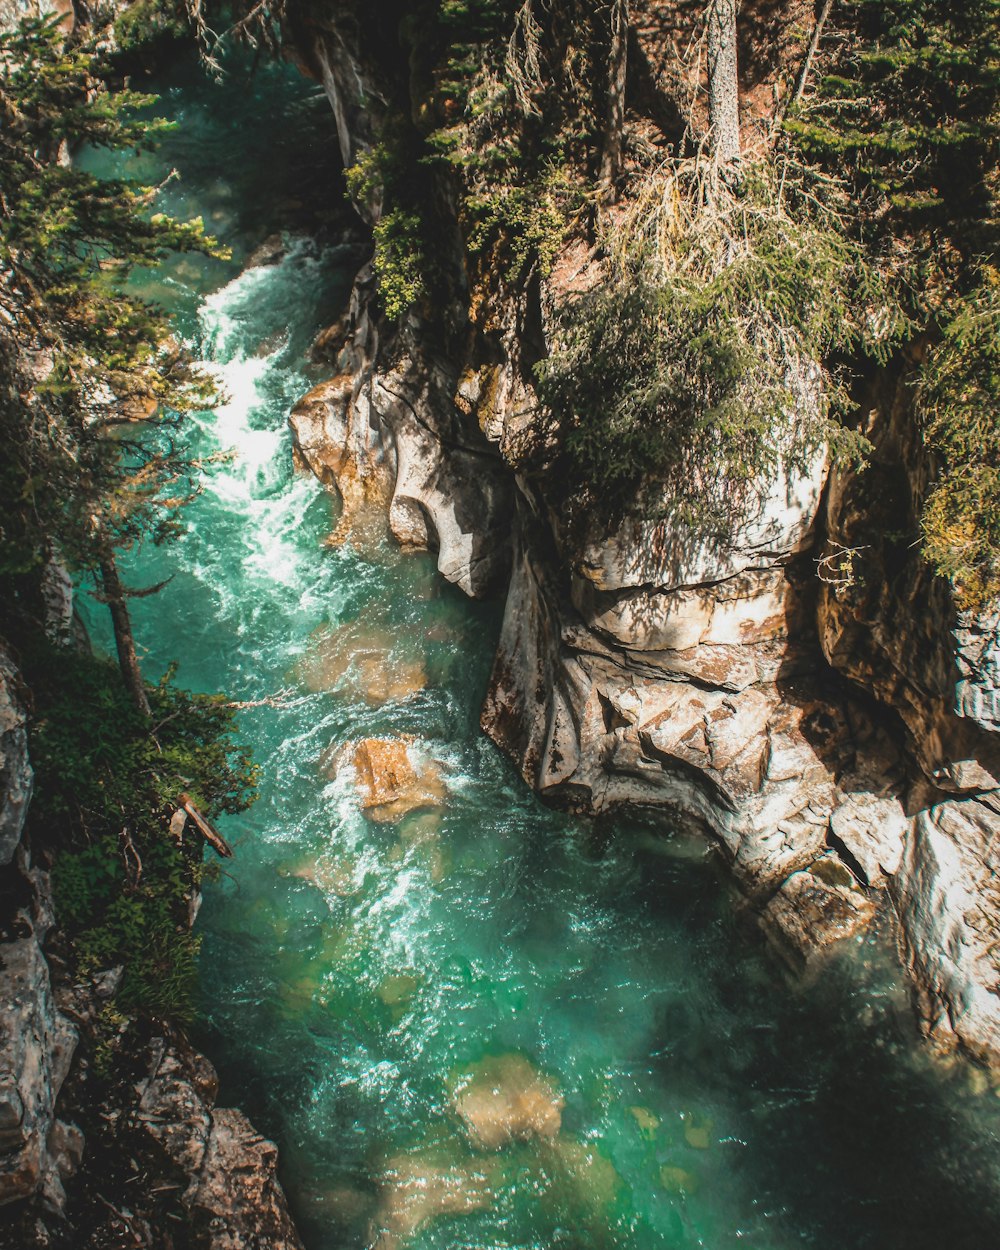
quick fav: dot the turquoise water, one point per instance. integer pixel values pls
(664, 1084)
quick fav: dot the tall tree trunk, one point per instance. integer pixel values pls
(723, 83)
(121, 622)
(614, 128)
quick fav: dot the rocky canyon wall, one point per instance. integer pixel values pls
(805, 689)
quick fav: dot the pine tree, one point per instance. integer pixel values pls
(94, 387)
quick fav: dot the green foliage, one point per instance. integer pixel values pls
(381, 174)
(109, 781)
(520, 227)
(146, 22)
(686, 376)
(100, 358)
(958, 401)
(400, 262)
(909, 110)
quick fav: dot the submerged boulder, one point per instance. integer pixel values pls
(422, 1186)
(365, 659)
(504, 1098)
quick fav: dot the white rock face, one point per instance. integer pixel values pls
(768, 768)
(670, 557)
(949, 899)
(398, 452)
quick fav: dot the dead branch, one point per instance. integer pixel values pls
(811, 51)
(285, 697)
(214, 839)
(130, 858)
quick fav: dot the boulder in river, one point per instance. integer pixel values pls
(504, 1098)
(393, 777)
(421, 1186)
(362, 658)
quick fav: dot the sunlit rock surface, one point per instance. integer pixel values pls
(393, 777)
(233, 1194)
(398, 450)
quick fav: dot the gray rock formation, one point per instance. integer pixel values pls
(806, 689)
(233, 1196)
(37, 1152)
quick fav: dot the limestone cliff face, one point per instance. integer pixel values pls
(806, 690)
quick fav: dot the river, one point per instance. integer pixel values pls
(678, 1089)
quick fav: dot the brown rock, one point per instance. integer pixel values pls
(422, 1186)
(504, 1099)
(238, 1203)
(817, 907)
(362, 658)
(392, 779)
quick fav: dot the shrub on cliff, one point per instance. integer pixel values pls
(682, 378)
(106, 785)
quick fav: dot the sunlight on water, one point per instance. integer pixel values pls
(468, 1020)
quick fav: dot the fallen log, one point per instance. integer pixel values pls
(214, 839)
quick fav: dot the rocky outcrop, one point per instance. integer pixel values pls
(38, 1153)
(949, 899)
(233, 1196)
(401, 455)
(805, 688)
(15, 770)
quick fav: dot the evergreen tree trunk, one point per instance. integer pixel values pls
(128, 661)
(723, 83)
(614, 128)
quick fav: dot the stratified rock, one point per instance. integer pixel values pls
(504, 1098)
(396, 448)
(337, 440)
(15, 771)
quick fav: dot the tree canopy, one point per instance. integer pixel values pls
(84, 359)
